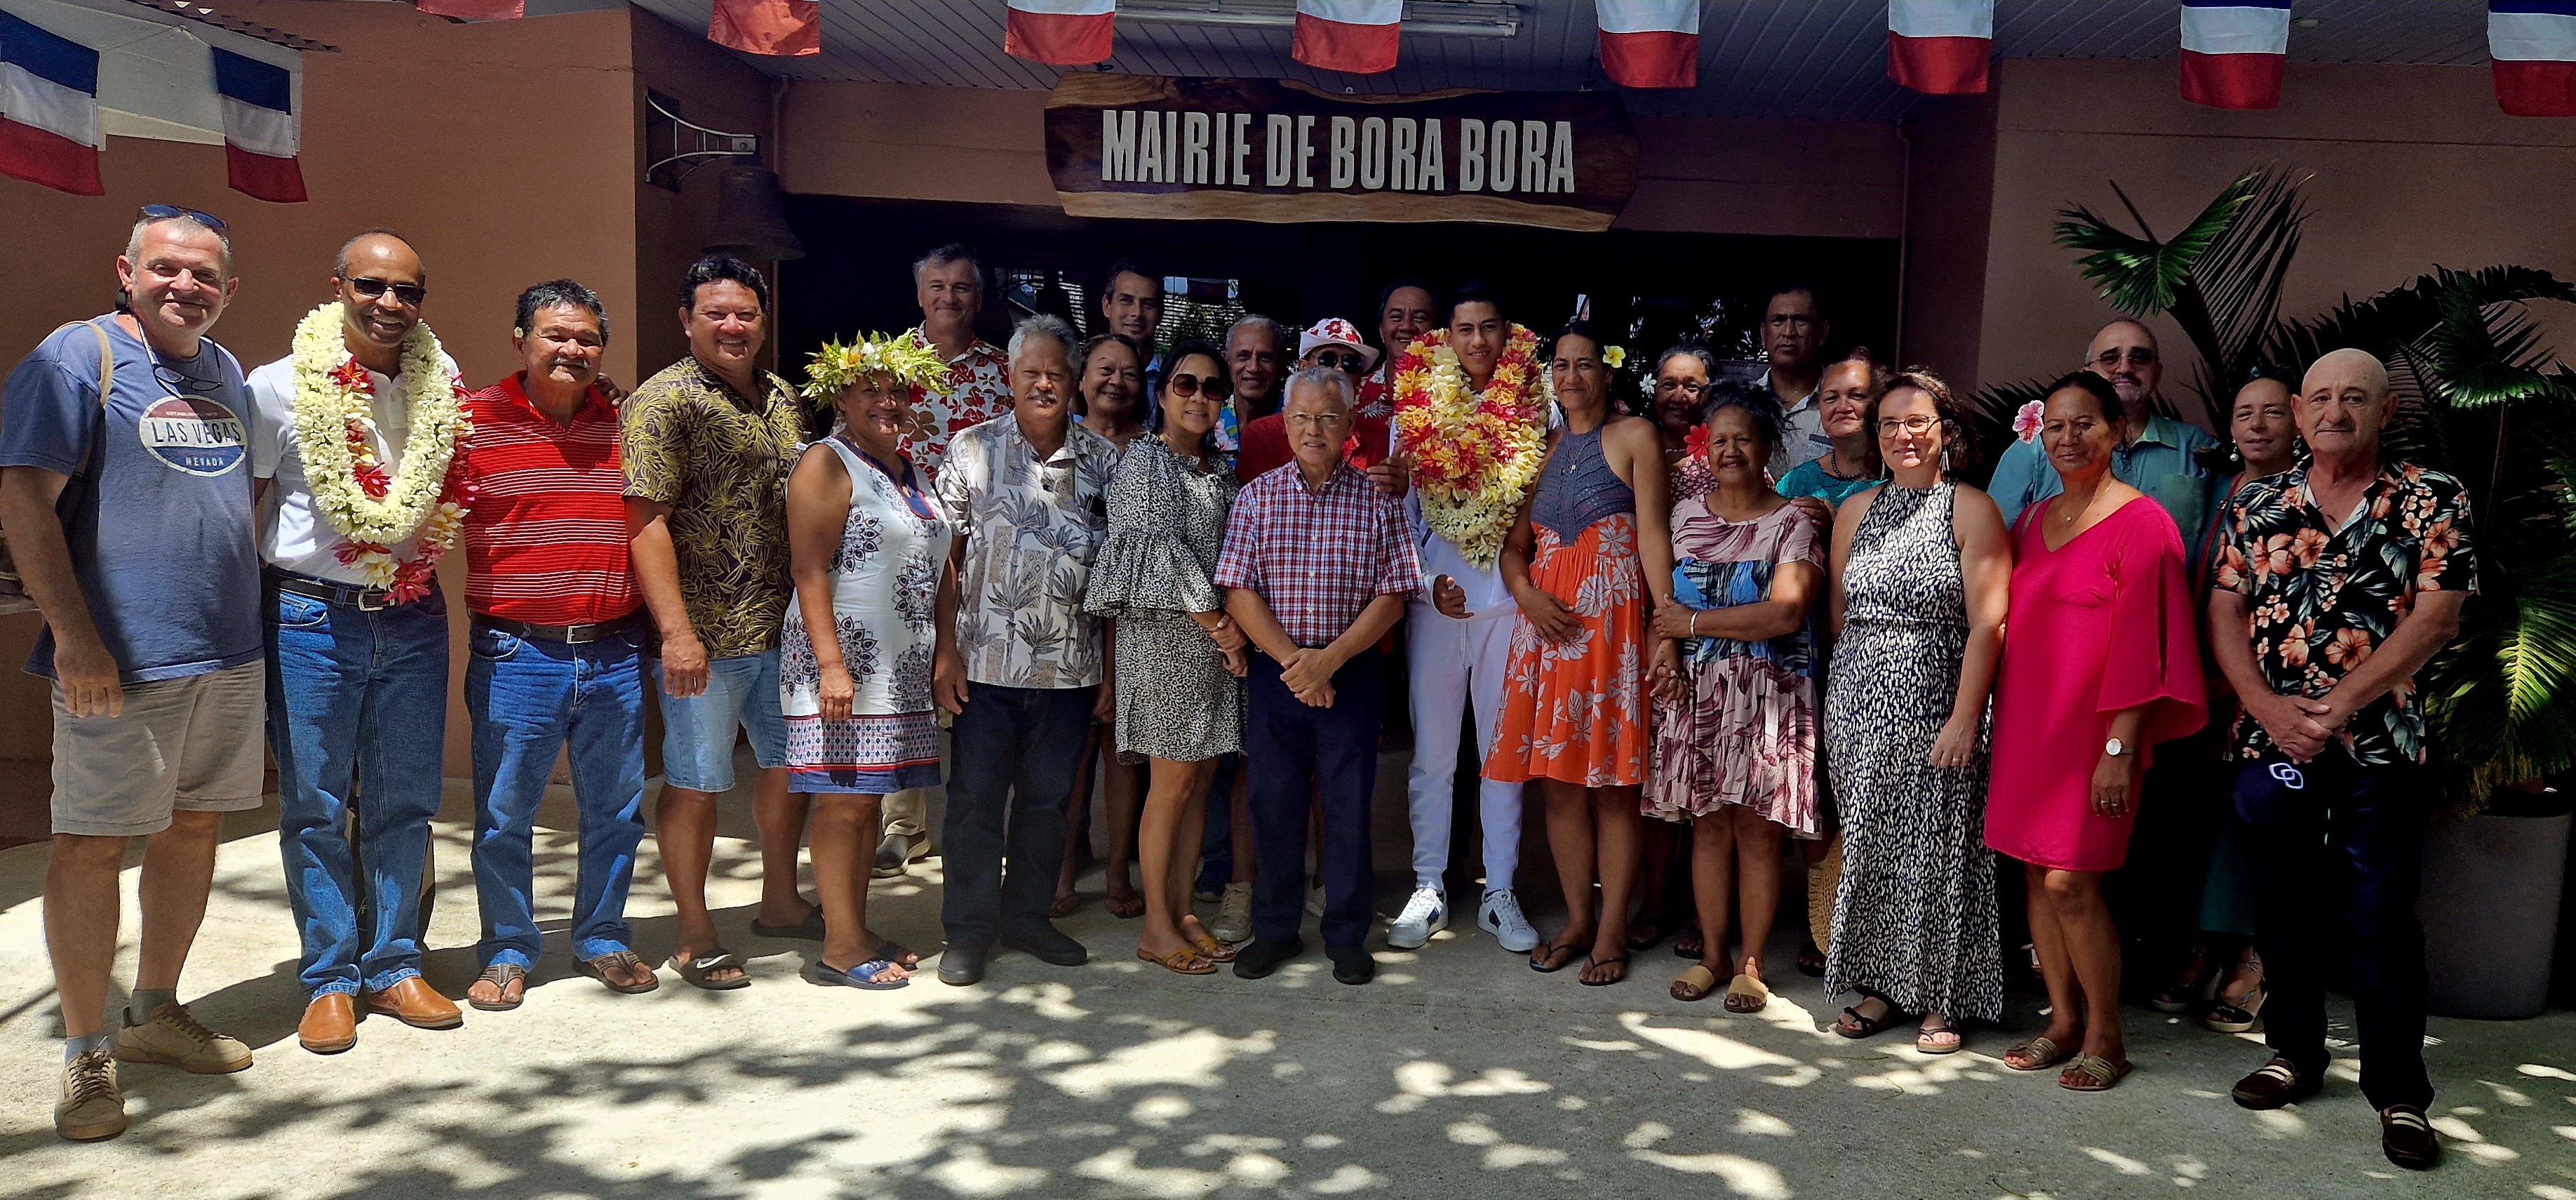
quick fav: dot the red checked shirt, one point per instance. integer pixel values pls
(1317, 556)
(545, 539)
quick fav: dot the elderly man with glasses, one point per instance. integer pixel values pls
(2156, 454)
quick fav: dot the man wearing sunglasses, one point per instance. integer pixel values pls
(358, 671)
(151, 638)
(1334, 344)
(2156, 453)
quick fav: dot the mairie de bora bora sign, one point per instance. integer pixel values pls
(1257, 150)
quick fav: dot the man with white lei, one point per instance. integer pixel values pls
(353, 437)
(1471, 467)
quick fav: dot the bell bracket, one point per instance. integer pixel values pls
(683, 146)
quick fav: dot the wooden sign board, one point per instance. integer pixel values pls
(1259, 150)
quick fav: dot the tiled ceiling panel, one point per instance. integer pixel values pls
(1804, 59)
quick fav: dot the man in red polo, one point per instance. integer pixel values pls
(558, 648)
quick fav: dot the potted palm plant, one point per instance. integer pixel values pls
(2481, 396)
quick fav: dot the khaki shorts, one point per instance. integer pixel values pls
(188, 744)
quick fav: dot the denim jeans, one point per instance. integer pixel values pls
(2332, 843)
(1304, 758)
(529, 698)
(1016, 752)
(356, 697)
(1216, 842)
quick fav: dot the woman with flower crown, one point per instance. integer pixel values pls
(868, 550)
(1587, 557)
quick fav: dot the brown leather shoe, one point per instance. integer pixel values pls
(416, 1004)
(330, 1024)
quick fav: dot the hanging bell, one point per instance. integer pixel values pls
(751, 215)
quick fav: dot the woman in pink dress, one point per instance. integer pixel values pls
(2100, 663)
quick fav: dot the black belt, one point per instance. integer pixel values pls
(365, 599)
(570, 635)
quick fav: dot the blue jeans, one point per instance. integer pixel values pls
(1016, 751)
(698, 731)
(356, 697)
(1216, 843)
(1304, 758)
(530, 697)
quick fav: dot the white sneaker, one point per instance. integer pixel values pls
(1500, 915)
(1233, 914)
(1426, 913)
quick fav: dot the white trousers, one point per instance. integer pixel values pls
(1453, 663)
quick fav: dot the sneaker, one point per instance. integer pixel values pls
(91, 1108)
(1426, 913)
(1234, 914)
(1500, 915)
(174, 1038)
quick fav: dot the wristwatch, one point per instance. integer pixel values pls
(2114, 748)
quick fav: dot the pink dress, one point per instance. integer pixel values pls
(2100, 624)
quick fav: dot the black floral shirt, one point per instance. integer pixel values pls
(2320, 601)
(720, 461)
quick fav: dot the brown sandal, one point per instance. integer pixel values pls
(2041, 1053)
(1694, 985)
(1746, 995)
(1185, 961)
(2092, 1073)
(501, 976)
(1212, 949)
(623, 960)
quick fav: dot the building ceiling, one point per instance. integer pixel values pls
(1801, 59)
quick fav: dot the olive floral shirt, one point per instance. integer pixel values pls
(720, 462)
(1030, 529)
(2320, 601)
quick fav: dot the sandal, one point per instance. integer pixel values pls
(2191, 989)
(1125, 908)
(1589, 962)
(696, 970)
(2093, 1073)
(1694, 984)
(2041, 1053)
(501, 975)
(1185, 961)
(597, 968)
(1645, 932)
(1923, 1038)
(2239, 1017)
(810, 929)
(1811, 961)
(1552, 958)
(862, 976)
(1212, 949)
(1746, 994)
(1691, 945)
(897, 953)
(1064, 905)
(1863, 1026)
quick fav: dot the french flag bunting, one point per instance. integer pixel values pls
(48, 109)
(1353, 36)
(2533, 47)
(260, 137)
(1940, 47)
(1060, 33)
(777, 28)
(2233, 52)
(475, 10)
(1649, 43)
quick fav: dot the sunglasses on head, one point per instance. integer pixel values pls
(406, 293)
(165, 212)
(1186, 386)
(1338, 360)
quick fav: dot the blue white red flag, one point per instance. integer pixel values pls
(1060, 33)
(1354, 36)
(2234, 51)
(48, 108)
(1940, 47)
(1649, 43)
(2533, 46)
(260, 133)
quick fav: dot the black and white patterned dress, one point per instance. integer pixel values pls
(1166, 524)
(885, 582)
(1914, 919)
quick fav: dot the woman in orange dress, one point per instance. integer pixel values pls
(1587, 560)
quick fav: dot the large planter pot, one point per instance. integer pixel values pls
(2490, 908)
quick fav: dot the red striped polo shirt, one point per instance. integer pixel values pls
(545, 540)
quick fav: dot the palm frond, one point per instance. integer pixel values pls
(2502, 700)
(2405, 314)
(2238, 280)
(2137, 274)
(1990, 418)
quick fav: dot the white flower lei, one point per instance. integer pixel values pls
(334, 416)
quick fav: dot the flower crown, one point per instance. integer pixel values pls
(837, 365)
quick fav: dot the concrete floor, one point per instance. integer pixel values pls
(1460, 1072)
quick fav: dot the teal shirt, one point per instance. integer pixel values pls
(2159, 464)
(1809, 479)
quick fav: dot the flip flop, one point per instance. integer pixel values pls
(1746, 994)
(1697, 982)
(1589, 962)
(861, 976)
(695, 970)
(810, 929)
(2043, 1052)
(501, 975)
(596, 968)
(1185, 961)
(897, 953)
(1560, 956)
(2093, 1073)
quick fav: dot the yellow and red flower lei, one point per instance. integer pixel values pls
(1473, 456)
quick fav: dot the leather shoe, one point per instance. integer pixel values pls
(2407, 1138)
(962, 963)
(1049, 944)
(330, 1024)
(1352, 964)
(1262, 957)
(416, 1004)
(2277, 1083)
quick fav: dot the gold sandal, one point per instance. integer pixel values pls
(1746, 995)
(2041, 1052)
(2093, 1073)
(1214, 950)
(1185, 961)
(1695, 984)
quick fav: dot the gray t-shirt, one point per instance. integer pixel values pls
(171, 566)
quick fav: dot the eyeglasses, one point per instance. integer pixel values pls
(166, 212)
(2138, 356)
(404, 293)
(1186, 386)
(1918, 424)
(1340, 361)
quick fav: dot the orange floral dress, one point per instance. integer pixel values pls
(1575, 711)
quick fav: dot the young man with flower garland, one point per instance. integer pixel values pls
(150, 639)
(949, 285)
(354, 450)
(706, 446)
(558, 651)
